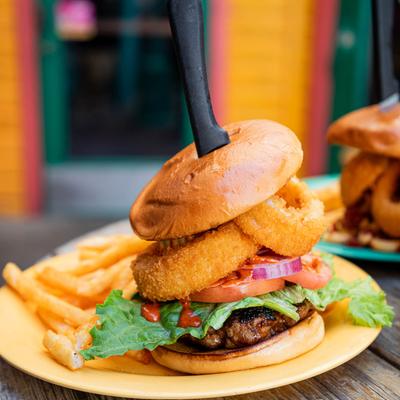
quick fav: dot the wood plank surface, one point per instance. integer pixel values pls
(365, 377)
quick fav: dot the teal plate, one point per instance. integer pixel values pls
(359, 253)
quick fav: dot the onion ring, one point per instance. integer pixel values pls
(359, 175)
(289, 223)
(385, 208)
(175, 273)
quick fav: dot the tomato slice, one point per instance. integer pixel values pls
(315, 274)
(234, 290)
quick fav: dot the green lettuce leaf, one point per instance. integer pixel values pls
(282, 301)
(367, 307)
(335, 290)
(122, 327)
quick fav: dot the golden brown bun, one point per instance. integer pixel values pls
(370, 130)
(191, 195)
(289, 344)
(360, 174)
(198, 264)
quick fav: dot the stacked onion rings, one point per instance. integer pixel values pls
(164, 274)
(289, 223)
(360, 174)
(386, 208)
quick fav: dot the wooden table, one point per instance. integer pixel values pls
(374, 374)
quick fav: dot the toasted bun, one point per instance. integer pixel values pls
(287, 345)
(370, 130)
(191, 195)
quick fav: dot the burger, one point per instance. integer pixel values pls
(230, 281)
(370, 181)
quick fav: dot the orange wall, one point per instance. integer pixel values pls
(20, 144)
(12, 191)
(261, 67)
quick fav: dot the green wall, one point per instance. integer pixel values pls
(351, 67)
(52, 60)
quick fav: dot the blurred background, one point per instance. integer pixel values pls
(91, 103)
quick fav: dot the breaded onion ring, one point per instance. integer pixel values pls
(386, 208)
(289, 223)
(360, 174)
(176, 273)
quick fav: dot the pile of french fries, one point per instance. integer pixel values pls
(65, 297)
(330, 196)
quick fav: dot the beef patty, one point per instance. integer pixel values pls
(249, 326)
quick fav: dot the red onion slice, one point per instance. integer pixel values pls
(274, 270)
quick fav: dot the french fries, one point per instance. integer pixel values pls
(88, 254)
(129, 290)
(27, 288)
(60, 280)
(142, 356)
(53, 321)
(62, 350)
(99, 284)
(119, 250)
(99, 243)
(64, 295)
(81, 286)
(330, 196)
(122, 279)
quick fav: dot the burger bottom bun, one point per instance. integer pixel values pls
(289, 344)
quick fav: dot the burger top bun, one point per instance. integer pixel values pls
(191, 195)
(370, 130)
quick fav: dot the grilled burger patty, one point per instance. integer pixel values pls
(248, 326)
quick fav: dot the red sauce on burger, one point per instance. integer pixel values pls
(187, 317)
(151, 311)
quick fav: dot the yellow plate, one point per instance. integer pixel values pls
(21, 345)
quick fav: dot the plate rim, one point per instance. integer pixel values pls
(364, 253)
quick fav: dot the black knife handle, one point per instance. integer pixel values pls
(186, 20)
(383, 28)
(396, 41)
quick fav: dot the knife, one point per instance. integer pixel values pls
(186, 20)
(386, 51)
